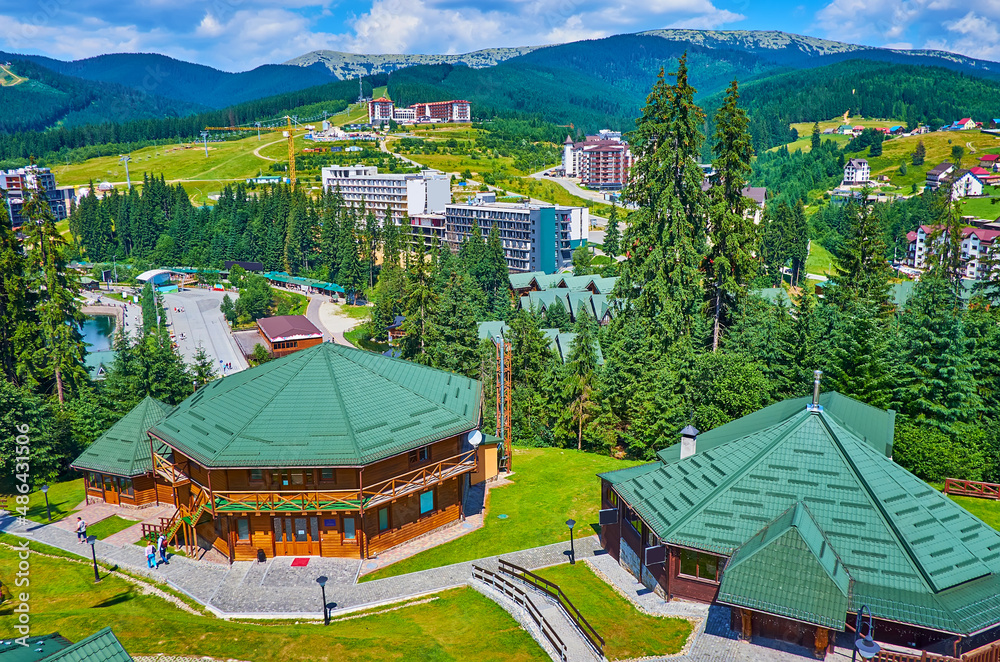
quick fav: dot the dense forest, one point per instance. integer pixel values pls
(83, 142)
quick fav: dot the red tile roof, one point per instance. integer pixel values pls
(989, 157)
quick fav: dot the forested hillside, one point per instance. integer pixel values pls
(175, 79)
(48, 99)
(913, 95)
(101, 138)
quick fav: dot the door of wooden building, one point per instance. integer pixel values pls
(296, 536)
(111, 490)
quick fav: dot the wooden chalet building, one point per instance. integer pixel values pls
(118, 466)
(330, 451)
(796, 516)
(288, 333)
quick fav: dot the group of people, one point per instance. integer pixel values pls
(151, 549)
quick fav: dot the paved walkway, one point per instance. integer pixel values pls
(276, 590)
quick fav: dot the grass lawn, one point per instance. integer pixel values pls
(628, 633)
(820, 260)
(550, 486)
(452, 627)
(355, 312)
(985, 509)
(361, 338)
(63, 497)
(981, 207)
(288, 303)
(900, 150)
(109, 526)
(549, 191)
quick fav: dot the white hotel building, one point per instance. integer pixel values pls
(404, 194)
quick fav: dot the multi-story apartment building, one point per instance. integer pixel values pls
(534, 237)
(382, 110)
(402, 194)
(857, 171)
(17, 184)
(601, 161)
(937, 174)
(977, 245)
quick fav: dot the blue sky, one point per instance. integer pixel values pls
(240, 34)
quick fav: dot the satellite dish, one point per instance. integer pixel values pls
(475, 438)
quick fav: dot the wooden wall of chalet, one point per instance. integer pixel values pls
(405, 521)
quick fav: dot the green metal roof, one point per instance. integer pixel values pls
(492, 330)
(518, 281)
(790, 569)
(773, 294)
(327, 405)
(124, 449)
(915, 556)
(101, 646)
(875, 426)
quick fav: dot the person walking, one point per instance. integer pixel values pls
(151, 556)
(81, 530)
(161, 545)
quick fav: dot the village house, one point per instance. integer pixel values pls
(285, 334)
(965, 124)
(794, 517)
(330, 451)
(937, 174)
(856, 171)
(963, 184)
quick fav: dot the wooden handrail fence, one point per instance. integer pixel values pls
(521, 598)
(971, 488)
(987, 653)
(553, 591)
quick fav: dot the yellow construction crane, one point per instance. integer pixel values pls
(286, 131)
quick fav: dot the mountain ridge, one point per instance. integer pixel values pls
(346, 65)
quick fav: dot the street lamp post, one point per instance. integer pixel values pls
(322, 587)
(48, 508)
(93, 554)
(865, 644)
(572, 552)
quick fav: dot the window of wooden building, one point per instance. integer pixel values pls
(633, 520)
(349, 531)
(383, 519)
(612, 497)
(328, 475)
(93, 480)
(699, 565)
(257, 476)
(426, 502)
(419, 455)
(125, 486)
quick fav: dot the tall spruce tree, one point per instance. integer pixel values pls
(452, 335)
(60, 358)
(613, 235)
(662, 281)
(730, 262)
(420, 303)
(581, 364)
(16, 317)
(863, 271)
(390, 239)
(945, 242)
(936, 383)
(814, 141)
(350, 274)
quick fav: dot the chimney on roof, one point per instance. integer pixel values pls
(815, 406)
(689, 441)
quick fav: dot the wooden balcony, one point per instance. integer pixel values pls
(173, 473)
(293, 501)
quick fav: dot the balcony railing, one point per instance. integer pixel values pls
(264, 501)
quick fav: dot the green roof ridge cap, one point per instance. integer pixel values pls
(737, 475)
(343, 406)
(888, 521)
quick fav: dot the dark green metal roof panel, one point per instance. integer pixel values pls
(897, 537)
(38, 648)
(517, 281)
(790, 569)
(124, 449)
(619, 475)
(325, 405)
(101, 646)
(873, 425)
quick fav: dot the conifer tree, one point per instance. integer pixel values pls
(556, 315)
(863, 271)
(814, 141)
(420, 302)
(936, 384)
(860, 363)
(578, 387)
(662, 281)
(613, 235)
(452, 335)
(330, 232)
(16, 318)
(372, 241)
(944, 245)
(919, 154)
(390, 239)
(60, 358)
(350, 274)
(730, 262)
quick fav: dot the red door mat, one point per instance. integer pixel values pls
(300, 563)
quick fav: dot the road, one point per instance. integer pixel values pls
(196, 314)
(257, 153)
(570, 186)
